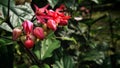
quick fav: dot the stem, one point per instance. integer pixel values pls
(113, 46)
(8, 15)
(33, 18)
(30, 54)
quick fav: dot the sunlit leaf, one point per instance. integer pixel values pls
(17, 13)
(1, 20)
(48, 46)
(65, 62)
(53, 3)
(68, 39)
(96, 1)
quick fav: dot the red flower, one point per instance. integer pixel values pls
(53, 15)
(40, 14)
(61, 8)
(27, 26)
(64, 20)
(39, 33)
(41, 10)
(16, 33)
(42, 18)
(51, 24)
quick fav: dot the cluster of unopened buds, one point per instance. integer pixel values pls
(48, 19)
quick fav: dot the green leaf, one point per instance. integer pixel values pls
(17, 13)
(44, 49)
(71, 4)
(53, 3)
(79, 1)
(68, 39)
(34, 66)
(45, 66)
(4, 42)
(48, 46)
(65, 62)
(1, 20)
(94, 55)
(96, 1)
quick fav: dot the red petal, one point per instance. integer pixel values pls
(27, 26)
(51, 24)
(41, 10)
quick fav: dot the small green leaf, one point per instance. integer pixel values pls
(79, 1)
(45, 66)
(65, 62)
(1, 20)
(96, 1)
(53, 3)
(68, 39)
(34, 66)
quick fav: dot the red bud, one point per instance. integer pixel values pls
(39, 32)
(16, 33)
(29, 43)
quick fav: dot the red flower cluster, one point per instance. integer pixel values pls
(28, 29)
(48, 18)
(51, 18)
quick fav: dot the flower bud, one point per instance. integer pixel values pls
(16, 33)
(51, 24)
(29, 43)
(39, 33)
(27, 26)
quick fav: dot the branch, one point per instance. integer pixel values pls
(8, 15)
(30, 54)
(33, 18)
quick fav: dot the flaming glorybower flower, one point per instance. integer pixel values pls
(58, 15)
(40, 14)
(27, 26)
(47, 18)
(64, 20)
(52, 18)
(41, 10)
(39, 33)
